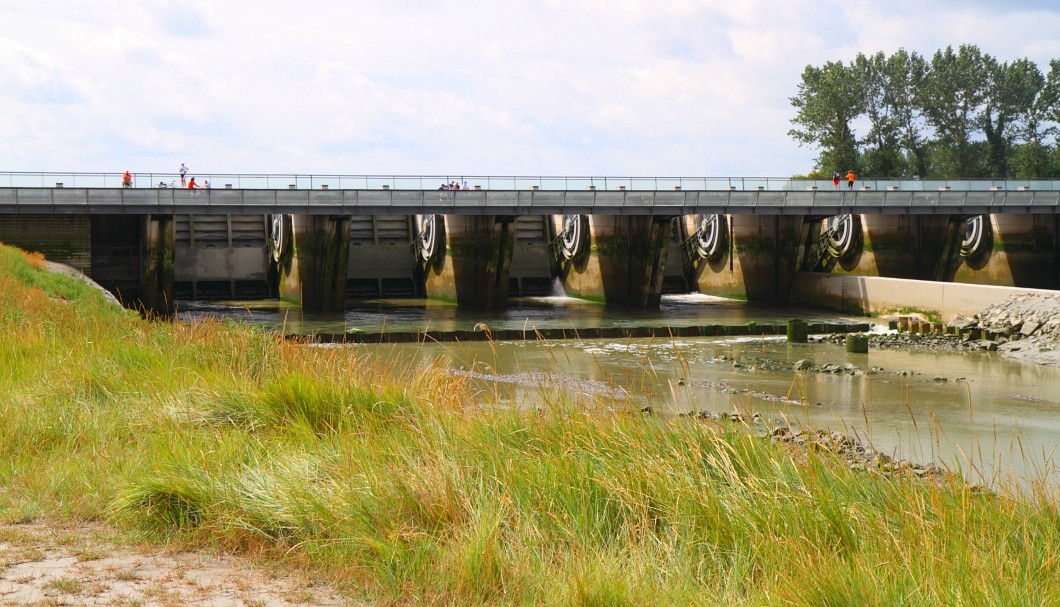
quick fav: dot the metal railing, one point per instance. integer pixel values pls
(298, 181)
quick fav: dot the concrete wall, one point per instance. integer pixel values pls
(221, 257)
(531, 270)
(875, 295)
(382, 261)
(61, 238)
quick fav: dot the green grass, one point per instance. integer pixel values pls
(403, 485)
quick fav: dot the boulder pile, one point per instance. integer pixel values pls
(1025, 327)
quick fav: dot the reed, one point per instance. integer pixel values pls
(395, 479)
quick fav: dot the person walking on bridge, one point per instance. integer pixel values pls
(183, 175)
(850, 179)
(835, 179)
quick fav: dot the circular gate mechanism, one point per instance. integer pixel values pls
(973, 239)
(278, 235)
(709, 235)
(426, 236)
(841, 234)
(572, 235)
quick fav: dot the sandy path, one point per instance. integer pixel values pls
(45, 566)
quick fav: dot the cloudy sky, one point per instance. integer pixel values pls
(476, 87)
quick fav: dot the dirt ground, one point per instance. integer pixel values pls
(46, 566)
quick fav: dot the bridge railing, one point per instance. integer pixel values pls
(298, 181)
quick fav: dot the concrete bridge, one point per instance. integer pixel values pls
(900, 198)
(322, 240)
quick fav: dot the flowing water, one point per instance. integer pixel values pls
(993, 418)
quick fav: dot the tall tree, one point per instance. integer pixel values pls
(963, 114)
(952, 98)
(1038, 106)
(1011, 90)
(829, 99)
(883, 155)
(906, 72)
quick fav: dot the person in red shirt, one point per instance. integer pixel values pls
(191, 184)
(126, 180)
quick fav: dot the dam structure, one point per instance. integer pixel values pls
(320, 241)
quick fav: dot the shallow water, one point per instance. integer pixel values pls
(523, 313)
(990, 417)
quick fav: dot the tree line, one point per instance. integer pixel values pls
(961, 114)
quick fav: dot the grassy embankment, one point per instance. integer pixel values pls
(392, 480)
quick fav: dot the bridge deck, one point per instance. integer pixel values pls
(532, 202)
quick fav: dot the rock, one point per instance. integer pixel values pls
(938, 379)
(59, 268)
(802, 365)
(1029, 328)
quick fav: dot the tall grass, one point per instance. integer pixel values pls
(394, 480)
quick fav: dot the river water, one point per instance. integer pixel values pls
(996, 420)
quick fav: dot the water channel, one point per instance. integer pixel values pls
(994, 419)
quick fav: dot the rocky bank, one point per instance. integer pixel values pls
(1023, 327)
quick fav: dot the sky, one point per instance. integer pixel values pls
(461, 87)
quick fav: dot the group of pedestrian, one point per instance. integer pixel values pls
(190, 183)
(127, 180)
(453, 185)
(850, 179)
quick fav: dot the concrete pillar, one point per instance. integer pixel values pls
(1017, 250)
(759, 261)
(626, 263)
(857, 344)
(473, 266)
(157, 237)
(798, 331)
(313, 275)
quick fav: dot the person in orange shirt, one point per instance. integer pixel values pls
(191, 184)
(126, 180)
(850, 179)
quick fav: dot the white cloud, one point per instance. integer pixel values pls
(524, 87)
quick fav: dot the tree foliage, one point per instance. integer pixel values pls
(960, 114)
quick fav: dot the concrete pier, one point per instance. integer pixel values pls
(156, 263)
(313, 272)
(625, 262)
(757, 260)
(472, 263)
